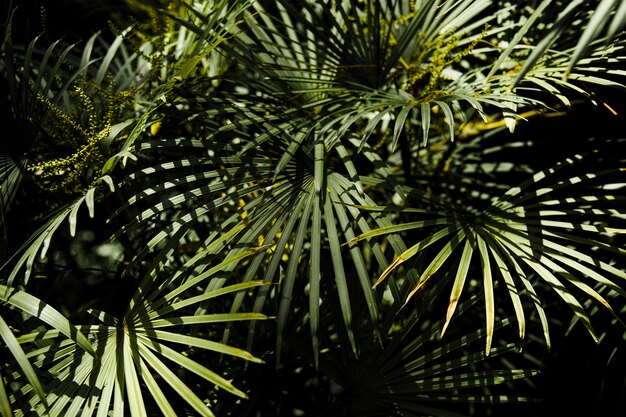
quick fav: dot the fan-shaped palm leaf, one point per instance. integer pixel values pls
(131, 353)
(301, 206)
(356, 57)
(550, 226)
(414, 372)
(362, 67)
(33, 306)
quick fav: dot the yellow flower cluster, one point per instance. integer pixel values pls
(423, 74)
(81, 133)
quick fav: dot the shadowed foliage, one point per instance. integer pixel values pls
(311, 208)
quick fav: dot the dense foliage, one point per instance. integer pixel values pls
(312, 208)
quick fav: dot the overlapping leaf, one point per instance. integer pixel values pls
(28, 304)
(390, 66)
(415, 372)
(551, 229)
(136, 355)
(298, 204)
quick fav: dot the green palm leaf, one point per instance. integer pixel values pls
(136, 358)
(348, 68)
(303, 200)
(415, 65)
(414, 372)
(609, 14)
(33, 306)
(527, 237)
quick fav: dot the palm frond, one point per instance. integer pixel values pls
(135, 353)
(283, 203)
(551, 227)
(609, 15)
(420, 63)
(39, 242)
(28, 304)
(414, 372)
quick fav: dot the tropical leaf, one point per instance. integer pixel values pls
(38, 244)
(275, 158)
(284, 203)
(421, 65)
(135, 353)
(33, 306)
(609, 15)
(411, 371)
(550, 227)
(327, 68)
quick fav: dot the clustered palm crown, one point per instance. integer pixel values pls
(337, 207)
